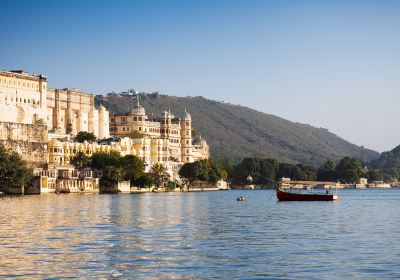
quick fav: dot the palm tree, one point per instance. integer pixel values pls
(159, 173)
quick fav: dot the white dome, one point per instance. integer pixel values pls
(138, 110)
(187, 116)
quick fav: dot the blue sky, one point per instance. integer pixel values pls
(332, 64)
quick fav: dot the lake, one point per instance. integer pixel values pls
(200, 236)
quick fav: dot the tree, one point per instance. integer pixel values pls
(100, 160)
(111, 176)
(374, 175)
(309, 172)
(189, 172)
(83, 136)
(268, 170)
(133, 166)
(13, 170)
(205, 170)
(159, 173)
(349, 170)
(81, 160)
(327, 171)
(284, 170)
(145, 181)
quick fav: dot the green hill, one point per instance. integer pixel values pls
(388, 164)
(235, 132)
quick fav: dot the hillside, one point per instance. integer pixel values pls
(388, 164)
(235, 132)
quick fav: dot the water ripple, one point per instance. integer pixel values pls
(200, 236)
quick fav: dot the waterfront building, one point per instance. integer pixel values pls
(63, 179)
(22, 97)
(70, 111)
(149, 150)
(170, 137)
(23, 114)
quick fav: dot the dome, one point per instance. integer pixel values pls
(138, 110)
(200, 142)
(55, 143)
(187, 116)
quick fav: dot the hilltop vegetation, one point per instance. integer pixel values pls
(269, 171)
(236, 132)
(388, 164)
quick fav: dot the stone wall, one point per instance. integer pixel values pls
(28, 140)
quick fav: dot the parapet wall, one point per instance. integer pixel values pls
(28, 140)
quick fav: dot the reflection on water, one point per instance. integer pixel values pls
(200, 236)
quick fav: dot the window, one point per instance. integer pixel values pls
(112, 119)
(135, 119)
(140, 129)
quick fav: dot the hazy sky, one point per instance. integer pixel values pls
(332, 64)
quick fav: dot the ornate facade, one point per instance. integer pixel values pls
(71, 111)
(149, 150)
(172, 137)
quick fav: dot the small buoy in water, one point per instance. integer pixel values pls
(241, 198)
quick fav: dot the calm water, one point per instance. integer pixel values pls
(200, 236)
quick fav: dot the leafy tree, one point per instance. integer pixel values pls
(327, 171)
(13, 170)
(101, 160)
(117, 168)
(374, 175)
(268, 171)
(226, 164)
(145, 181)
(205, 170)
(297, 173)
(309, 172)
(159, 173)
(111, 176)
(285, 170)
(81, 160)
(133, 167)
(190, 172)
(83, 136)
(170, 186)
(349, 170)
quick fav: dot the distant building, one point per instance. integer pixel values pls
(169, 137)
(71, 111)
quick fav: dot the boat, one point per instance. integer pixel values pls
(284, 195)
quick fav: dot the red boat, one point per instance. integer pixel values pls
(284, 195)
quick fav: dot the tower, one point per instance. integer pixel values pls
(186, 138)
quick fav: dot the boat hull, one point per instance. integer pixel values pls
(289, 196)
